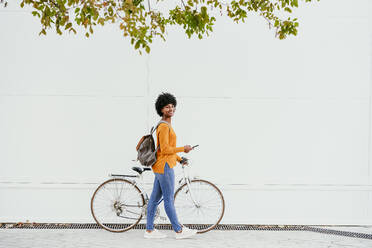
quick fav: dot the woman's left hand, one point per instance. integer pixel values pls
(184, 161)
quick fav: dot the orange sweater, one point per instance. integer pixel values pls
(167, 151)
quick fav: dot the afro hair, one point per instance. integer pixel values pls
(163, 100)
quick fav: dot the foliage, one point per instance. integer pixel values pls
(142, 23)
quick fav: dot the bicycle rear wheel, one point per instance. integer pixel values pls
(117, 205)
(208, 209)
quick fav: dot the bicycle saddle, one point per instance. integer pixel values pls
(140, 170)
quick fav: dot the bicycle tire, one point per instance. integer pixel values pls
(118, 225)
(201, 227)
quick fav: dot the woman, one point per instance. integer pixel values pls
(163, 169)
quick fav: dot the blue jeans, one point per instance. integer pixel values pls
(163, 186)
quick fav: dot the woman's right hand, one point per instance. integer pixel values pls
(187, 148)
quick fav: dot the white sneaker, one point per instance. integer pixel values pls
(155, 234)
(186, 233)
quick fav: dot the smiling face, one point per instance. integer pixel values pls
(165, 105)
(168, 110)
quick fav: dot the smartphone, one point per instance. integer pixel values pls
(194, 146)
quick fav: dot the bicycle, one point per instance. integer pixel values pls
(118, 204)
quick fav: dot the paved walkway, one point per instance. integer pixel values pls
(92, 238)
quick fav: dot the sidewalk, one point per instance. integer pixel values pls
(92, 238)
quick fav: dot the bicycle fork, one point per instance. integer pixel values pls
(189, 191)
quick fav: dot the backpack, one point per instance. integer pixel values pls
(146, 148)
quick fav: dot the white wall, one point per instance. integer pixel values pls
(284, 127)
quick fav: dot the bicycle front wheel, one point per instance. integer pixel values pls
(117, 205)
(199, 205)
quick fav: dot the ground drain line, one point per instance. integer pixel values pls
(226, 227)
(339, 233)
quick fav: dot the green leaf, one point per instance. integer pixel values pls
(69, 25)
(137, 45)
(110, 11)
(42, 32)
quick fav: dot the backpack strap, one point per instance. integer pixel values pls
(153, 129)
(161, 121)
